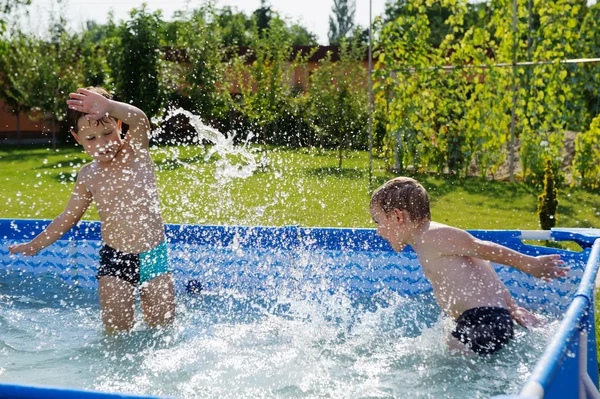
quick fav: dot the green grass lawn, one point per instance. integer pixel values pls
(297, 187)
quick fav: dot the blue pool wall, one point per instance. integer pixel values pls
(557, 374)
(314, 260)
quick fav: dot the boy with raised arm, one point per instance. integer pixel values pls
(457, 264)
(120, 179)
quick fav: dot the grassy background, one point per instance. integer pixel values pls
(296, 187)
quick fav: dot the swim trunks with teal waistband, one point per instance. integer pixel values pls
(136, 269)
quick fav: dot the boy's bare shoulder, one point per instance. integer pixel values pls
(86, 171)
(439, 230)
(438, 235)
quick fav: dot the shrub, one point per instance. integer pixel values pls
(547, 201)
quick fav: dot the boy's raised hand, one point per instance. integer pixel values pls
(547, 267)
(94, 105)
(26, 249)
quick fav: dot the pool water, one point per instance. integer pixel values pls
(233, 343)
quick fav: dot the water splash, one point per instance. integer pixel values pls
(235, 161)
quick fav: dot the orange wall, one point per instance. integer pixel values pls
(300, 76)
(8, 121)
(39, 129)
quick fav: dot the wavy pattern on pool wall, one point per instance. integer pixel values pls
(267, 259)
(277, 261)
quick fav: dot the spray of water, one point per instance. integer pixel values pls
(234, 161)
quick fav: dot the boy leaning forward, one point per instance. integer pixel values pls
(464, 283)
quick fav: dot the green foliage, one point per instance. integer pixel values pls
(263, 76)
(18, 68)
(204, 83)
(449, 120)
(547, 201)
(437, 14)
(545, 93)
(339, 100)
(589, 74)
(97, 42)
(300, 36)
(139, 61)
(428, 118)
(6, 7)
(38, 74)
(341, 22)
(58, 72)
(234, 27)
(262, 17)
(586, 170)
(407, 87)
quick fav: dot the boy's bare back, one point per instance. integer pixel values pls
(459, 282)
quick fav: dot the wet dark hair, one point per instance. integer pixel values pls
(403, 193)
(73, 116)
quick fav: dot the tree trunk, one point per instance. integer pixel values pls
(53, 133)
(19, 127)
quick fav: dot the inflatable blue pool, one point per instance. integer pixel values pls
(307, 298)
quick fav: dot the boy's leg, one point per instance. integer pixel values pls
(117, 303)
(158, 300)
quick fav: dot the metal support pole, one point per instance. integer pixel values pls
(582, 362)
(514, 97)
(586, 385)
(370, 97)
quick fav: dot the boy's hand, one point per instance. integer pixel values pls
(26, 249)
(547, 267)
(94, 105)
(524, 317)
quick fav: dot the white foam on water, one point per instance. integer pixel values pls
(230, 344)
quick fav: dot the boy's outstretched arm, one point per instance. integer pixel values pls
(76, 207)
(97, 107)
(460, 243)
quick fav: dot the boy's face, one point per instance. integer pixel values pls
(101, 141)
(390, 226)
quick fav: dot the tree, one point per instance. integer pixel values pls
(300, 36)
(58, 72)
(17, 67)
(95, 45)
(438, 14)
(6, 6)
(339, 99)
(586, 170)
(263, 77)
(139, 61)
(235, 27)
(262, 17)
(341, 23)
(204, 72)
